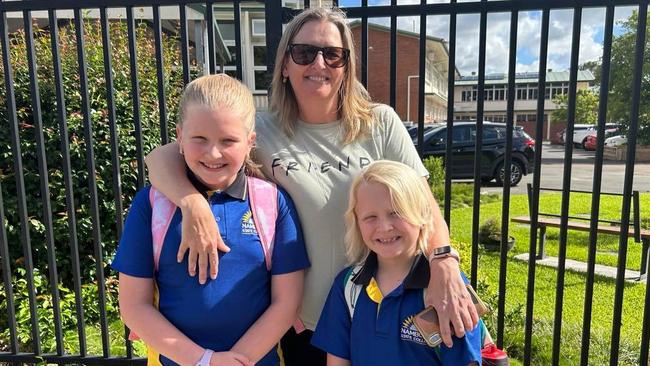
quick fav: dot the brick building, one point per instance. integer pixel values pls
(408, 64)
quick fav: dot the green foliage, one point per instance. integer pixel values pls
(621, 74)
(489, 230)
(586, 107)
(103, 152)
(436, 170)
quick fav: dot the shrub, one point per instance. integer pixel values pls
(98, 114)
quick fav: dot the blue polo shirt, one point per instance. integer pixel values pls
(214, 315)
(383, 333)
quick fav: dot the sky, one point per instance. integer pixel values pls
(528, 38)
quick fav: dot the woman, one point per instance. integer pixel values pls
(320, 133)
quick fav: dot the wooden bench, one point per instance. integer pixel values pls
(611, 227)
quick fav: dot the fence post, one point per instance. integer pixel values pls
(273, 13)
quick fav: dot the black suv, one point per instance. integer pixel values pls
(493, 151)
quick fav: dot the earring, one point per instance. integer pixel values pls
(284, 79)
(180, 150)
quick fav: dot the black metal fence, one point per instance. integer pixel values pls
(79, 225)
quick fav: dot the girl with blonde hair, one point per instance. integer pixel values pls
(238, 318)
(320, 132)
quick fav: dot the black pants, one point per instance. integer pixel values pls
(298, 351)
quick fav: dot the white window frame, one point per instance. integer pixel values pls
(258, 21)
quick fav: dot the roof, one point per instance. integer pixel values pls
(526, 77)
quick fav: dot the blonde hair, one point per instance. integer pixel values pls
(222, 91)
(409, 198)
(354, 104)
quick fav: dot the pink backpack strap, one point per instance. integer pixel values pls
(264, 207)
(162, 211)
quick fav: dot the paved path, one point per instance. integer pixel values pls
(606, 271)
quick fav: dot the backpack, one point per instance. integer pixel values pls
(263, 197)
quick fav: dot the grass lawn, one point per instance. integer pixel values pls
(546, 280)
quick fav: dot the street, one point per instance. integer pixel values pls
(582, 173)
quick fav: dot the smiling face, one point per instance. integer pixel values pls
(214, 143)
(316, 83)
(383, 231)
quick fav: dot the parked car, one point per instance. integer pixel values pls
(591, 143)
(580, 135)
(576, 128)
(617, 140)
(492, 152)
(413, 130)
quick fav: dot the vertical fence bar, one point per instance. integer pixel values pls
(451, 83)
(238, 46)
(393, 57)
(135, 94)
(209, 20)
(67, 177)
(6, 279)
(273, 11)
(184, 44)
(92, 180)
(364, 47)
(20, 183)
(160, 75)
(596, 188)
(307, 4)
(629, 180)
(115, 159)
(479, 145)
(421, 72)
(43, 173)
(566, 185)
(533, 204)
(505, 208)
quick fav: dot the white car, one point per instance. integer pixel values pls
(616, 141)
(580, 134)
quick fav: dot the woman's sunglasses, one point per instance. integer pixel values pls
(305, 54)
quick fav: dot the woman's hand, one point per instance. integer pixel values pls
(229, 358)
(200, 234)
(448, 294)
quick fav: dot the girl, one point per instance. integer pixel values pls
(368, 315)
(238, 318)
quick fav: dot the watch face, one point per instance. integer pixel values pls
(442, 250)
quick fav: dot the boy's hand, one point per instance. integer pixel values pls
(200, 234)
(229, 358)
(448, 295)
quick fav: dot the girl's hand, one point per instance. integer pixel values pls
(448, 294)
(229, 358)
(200, 234)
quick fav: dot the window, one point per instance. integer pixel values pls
(258, 27)
(227, 29)
(259, 55)
(262, 82)
(490, 133)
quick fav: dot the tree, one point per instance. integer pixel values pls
(586, 107)
(621, 82)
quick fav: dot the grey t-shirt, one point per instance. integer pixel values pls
(317, 170)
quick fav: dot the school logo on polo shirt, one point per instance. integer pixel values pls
(410, 333)
(247, 224)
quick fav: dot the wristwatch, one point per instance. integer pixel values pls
(444, 252)
(205, 359)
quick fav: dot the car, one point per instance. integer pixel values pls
(617, 140)
(413, 130)
(493, 150)
(576, 128)
(591, 143)
(580, 134)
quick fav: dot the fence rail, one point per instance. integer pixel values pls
(79, 123)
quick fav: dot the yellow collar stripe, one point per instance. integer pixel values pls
(373, 291)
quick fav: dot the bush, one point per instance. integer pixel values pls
(98, 114)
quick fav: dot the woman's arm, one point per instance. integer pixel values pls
(446, 291)
(139, 314)
(265, 333)
(336, 361)
(200, 233)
